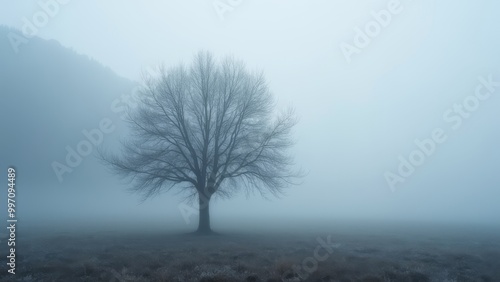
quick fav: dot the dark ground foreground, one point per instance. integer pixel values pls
(385, 255)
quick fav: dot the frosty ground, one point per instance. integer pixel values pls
(358, 253)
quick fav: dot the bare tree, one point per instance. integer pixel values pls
(208, 130)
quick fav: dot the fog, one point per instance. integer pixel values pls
(362, 102)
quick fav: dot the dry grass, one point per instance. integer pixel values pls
(162, 257)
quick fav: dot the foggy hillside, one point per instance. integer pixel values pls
(52, 93)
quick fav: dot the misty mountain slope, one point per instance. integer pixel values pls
(49, 94)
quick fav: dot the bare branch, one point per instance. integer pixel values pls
(209, 130)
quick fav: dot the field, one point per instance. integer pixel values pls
(349, 254)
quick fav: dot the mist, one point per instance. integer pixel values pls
(396, 104)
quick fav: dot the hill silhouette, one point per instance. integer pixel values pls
(49, 94)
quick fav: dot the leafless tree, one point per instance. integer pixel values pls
(208, 130)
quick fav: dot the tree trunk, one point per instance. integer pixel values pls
(204, 220)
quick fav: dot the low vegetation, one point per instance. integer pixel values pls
(115, 256)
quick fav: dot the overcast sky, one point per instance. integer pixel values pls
(367, 78)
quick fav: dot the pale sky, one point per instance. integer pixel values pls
(359, 112)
